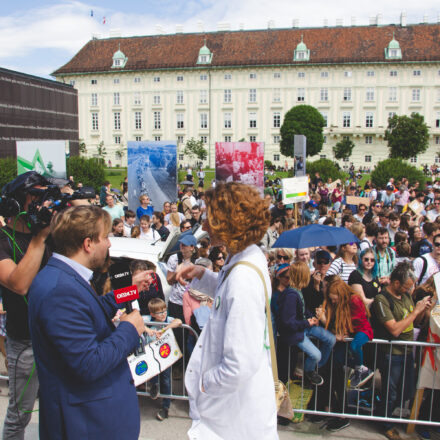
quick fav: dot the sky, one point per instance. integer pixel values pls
(37, 37)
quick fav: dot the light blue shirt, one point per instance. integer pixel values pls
(81, 270)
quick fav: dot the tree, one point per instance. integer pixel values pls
(82, 147)
(407, 136)
(195, 148)
(101, 150)
(326, 168)
(306, 120)
(90, 172)
(343, 149)
(120, 154)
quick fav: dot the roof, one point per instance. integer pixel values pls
(356, 44)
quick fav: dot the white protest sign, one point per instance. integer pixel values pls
(159, 355)
(295, 189)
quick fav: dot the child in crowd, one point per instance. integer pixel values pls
(145, 208)
(159, 313)
(129, 220)
(117, 228)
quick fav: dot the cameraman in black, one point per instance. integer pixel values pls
(22, 254)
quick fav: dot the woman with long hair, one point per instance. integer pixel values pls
(218, 258)
(117, 228)
(346, 262)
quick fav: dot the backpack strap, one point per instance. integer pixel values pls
(424, 269)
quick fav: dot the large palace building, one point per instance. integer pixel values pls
(235, 85)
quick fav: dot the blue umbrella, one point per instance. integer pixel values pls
(315, 235)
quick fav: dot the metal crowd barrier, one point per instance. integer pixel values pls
(364, 403)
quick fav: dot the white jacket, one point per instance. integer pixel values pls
(231, 358)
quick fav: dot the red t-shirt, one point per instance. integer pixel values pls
(359, 317)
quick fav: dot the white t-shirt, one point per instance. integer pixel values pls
(431, 269)
(177, 289)
(150, 235)
(181, 217)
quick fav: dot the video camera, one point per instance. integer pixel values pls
(14, 193)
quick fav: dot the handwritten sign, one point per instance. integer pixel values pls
(352, 200)
(333, 185)
(416, 207)
(295, 189)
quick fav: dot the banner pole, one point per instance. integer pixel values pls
(296, 214)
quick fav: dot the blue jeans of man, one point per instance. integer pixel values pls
(165, 386)
(314, 355)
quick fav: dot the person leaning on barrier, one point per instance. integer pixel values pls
(394, 315)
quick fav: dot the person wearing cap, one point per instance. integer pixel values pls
(311, 214)
(281, 281)
(388, 197)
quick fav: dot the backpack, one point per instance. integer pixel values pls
(180, 205)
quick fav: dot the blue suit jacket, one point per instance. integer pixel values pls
(86, 388)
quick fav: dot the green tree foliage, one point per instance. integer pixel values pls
(101, 150)
(343, 149)
(8, 170)
(90, 172)
(398, 169)
(195, 148)
(326, 168)
(82, 147)
(267, 164)
(306, 120)
(407, 136)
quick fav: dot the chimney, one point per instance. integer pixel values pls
(379, 19)
(179, 28)
(325, 22)
(115, 33)
(96, 36)
(295, 23)
(271, 24)
(425, 18)
(403, 19)
(339, 22)
(353, 20)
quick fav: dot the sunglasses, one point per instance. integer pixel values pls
(282, 257)
(377, 206)
(371, 260)
(220, 257)
(437, 244)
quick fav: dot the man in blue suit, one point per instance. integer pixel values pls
(86, 389)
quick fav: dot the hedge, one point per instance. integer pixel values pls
(398, 169)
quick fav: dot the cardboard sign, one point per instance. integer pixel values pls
(332, 186)
(416, 207)
(352, 200)
(295, 189)
(159, 355)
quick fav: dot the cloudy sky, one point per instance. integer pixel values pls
(38, 36)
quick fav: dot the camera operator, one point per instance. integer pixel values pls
(22, 254)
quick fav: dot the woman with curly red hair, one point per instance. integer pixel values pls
(229, 378)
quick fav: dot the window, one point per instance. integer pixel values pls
(347, 94)
(346, 119)
(413, 159)
(117, 63)
(325, 141)
(368, 139)
(276, 95)
(437, 121)
(277, 120)
(180, 139)
(138, 120)
(179, 97)
(392, 94)
(95, 125)
(156, 99)
(228, 76)
(116, 81)
(391, 114)
(157, 138)
(301, 74)
(323, 156)
(204, 77)
(252, 120)
(138, 138)
(347, 74)
(277, 75)
(94, 82)
(325, 116)
(369, 119)
(137, 98)
(276, 157)
(117, 120)
(227, 95)
(156, 79)
(203, 96)
(276, 139)
(324, 94)
(252, 76)
(417, 72)
(252, 95)
(179, 117)
(437, 159)
(72, 82)
(369, 95)
(438, 94)
(204, 139)
(368, 158)
(346, 138)
(324, 74)
(156, 121)
(116, 98)
(346, 159)
(252, 138)
(228, 138)
(137, 80)
(117, 139)
(437, 140)
(301, 94)
(181, 156)
(393, 72)
(370, 73)
(416, 94)
(179, 78)
(203, 120)
(94, 99)
(227, 118)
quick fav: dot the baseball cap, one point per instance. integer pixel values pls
(188, 240)
(289, 206)
(323, 256)
(312, 203)
(390, 188)
(280, 268)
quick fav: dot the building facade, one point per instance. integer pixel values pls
(238, 85)
(33, 108)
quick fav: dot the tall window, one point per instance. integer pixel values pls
(276, 139)
(137, 120)
(324, 74)
(138, 138)
(137, 98)
(94, 99)
(324, 94)
(227, 117)
(93, 82)
(157, 138)
(252, 120)
(369, 96)
(252, 138)
(416, 95)
(116, 98)
(301, 74)
(203, 120)
(417, 72)
(156, 120)
(347, 74)
(369, 119)
(252, 76)
(203, 77)
(156, 79)
(393, 72)
(277, 120)
(276, 157)
(325, 116)
(179, 97)
(368, 139)
(346, 119)
(179, 120)
(347, 94)
(277, 75)
(368, 158)
(227, 95)
(117, 139)
(391, 114)
(276, 95)
(392, 94)
(228, 76)
(95, 124)
(180, 139)
(437, 120)
(228, 138)
(301, 94)
(116, 81)
(156, 99)
(252, 95)
(179, 78)
(203, 96)
(137, 79)
(117, 120)
(370, 72)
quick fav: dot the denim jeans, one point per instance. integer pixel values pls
(314, 355)
(359, 340)
(165, 386)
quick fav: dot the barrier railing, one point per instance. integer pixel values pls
(336, 397)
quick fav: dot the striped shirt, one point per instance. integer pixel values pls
(341, 268)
